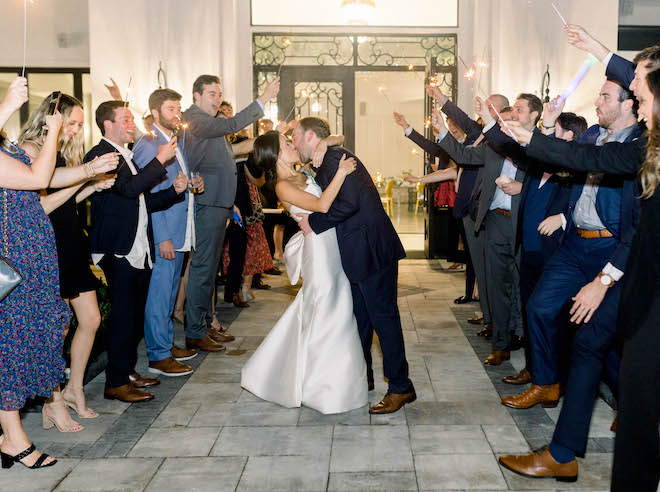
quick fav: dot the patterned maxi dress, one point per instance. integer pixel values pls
(33, 316)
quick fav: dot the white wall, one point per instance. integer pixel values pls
(129, 37)
(47, 21)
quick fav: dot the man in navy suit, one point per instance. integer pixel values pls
(636, 452)
(122, 244)
(370, 251)
(174, 235)
(602, 216)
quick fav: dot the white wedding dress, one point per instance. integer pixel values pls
(313, 355)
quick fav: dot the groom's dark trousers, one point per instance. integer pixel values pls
(370, 250)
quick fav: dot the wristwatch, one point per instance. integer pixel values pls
(606, 280)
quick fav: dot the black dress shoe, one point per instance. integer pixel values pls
(463, 300)
(370, 385)
(517, 342)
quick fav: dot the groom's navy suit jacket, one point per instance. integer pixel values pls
(366, 236)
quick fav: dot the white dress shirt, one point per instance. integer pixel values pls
(139, 253)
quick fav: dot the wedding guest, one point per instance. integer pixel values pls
(174, 235)
(77, 282)
(32, 316)
(122, 244)
(209, 154)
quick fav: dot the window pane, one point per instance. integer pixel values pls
(13, 126)
(40, 85)
(411, 13)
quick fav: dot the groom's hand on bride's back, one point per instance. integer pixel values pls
(304, 223)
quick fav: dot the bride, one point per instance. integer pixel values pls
(312, 356)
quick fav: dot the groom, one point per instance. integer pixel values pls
(370, 250)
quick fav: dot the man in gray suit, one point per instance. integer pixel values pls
(498, 205)
(208, 152)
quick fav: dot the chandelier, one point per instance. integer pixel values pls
(358, 12)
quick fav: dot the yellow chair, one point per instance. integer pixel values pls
(420, 196)
(387, 200)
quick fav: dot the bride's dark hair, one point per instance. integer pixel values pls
(266, 153)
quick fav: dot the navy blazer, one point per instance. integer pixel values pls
(115, 211)
(641, 282)
(616, 202)
(367, 239)
(621, 70)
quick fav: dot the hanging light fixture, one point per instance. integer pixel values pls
(358, 12)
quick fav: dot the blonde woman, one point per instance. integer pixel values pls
(77, 283)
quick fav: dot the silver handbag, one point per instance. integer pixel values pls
(9, 277)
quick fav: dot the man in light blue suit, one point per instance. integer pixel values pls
(174, 235)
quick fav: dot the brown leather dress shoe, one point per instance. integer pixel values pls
(138, 381)
(238, 300)
(487, 331)
(219, 337)
(497, 357)
(393, 402)
(547, 396)
(183, 354)
(476, 321)
(523, 377)
(170, 367)
(127, 393)
(206, 344)
(615, 424)
(541, 464)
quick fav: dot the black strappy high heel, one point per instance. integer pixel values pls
(8, 460)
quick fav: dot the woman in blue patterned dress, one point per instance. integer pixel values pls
(33, 316)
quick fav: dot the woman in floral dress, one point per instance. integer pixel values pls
(33, 316)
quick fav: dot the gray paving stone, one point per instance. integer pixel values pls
(273, 441)
(469, 472)
(177, 415)
(22, 479)
(506, 439)
(372, 482)
(371, 448)
(285, 473)
(176, 442)
(457, 413)
(262, 414)
(198, 474)
(110, 475)
(358, 416)
(448, 439)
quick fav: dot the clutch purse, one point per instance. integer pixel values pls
(9, 277)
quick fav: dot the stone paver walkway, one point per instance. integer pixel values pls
(203, 432)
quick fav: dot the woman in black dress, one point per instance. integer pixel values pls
(77, 283)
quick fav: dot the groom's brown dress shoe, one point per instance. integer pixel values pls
(541, 464)
(476, 321)
(393, 402)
